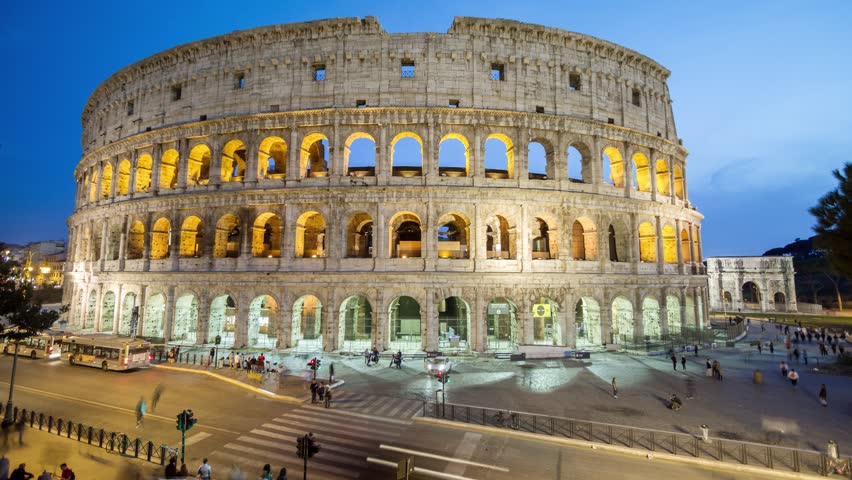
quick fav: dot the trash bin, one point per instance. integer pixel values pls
(758, 377)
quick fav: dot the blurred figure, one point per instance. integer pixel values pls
(21, 473)
(155, 398)
(141, 407)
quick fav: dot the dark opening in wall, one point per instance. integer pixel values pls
(498, 72)
(360, 103)
(177, 92)
(454, 103)
(574, 82)
(539, 109)
(610, 121)
(407, 69)
(239, 80)
(130, 108)
(274, 108)
(637, 97)
(147, 129)
(202, 118)
(319, 72)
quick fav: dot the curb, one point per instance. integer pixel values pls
(619, 449)
(265, 393)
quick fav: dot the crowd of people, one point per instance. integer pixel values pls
(21, 472)
(205, 472)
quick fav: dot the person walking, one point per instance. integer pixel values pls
(695, 349)
(674, 362)
(266, 474)
(683, 362)
(784, 369)
(327, 398)
(212, 356)
(205, 472)
(794, 377)
(314, 387)
(282, 475)
(367, 357)
(718, 371)
(796, 354)
(614, 388)
(20, 426)
(155, 397)
(141, 408)
(823, 396)
(321, 391)
(805, 356)
(771, 348)
(236, 363)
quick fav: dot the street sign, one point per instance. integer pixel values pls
(433, 354)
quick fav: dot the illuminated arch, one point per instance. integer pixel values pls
(685, 251)
(266, 236)
(106, 182)
(135, 241)
(579, 163)
(190, 237)
(272, 158)
(406, 167)
(678, 182)
(647, 243)
(500, 238)
(228, 236)
(363, 167)
(651, 327)
(313, 156)
(144, 166)
(613, 164)
(669, 244)
(233, 161)
(359, 236)
(161, 239)
(122, 186)
(198, 166)
(663, 177)
(449, 163)
(355, 323)
(642, 172)
(584, 239)
(310, 235)
(622, 320)
(405, 235)
(93, 186)
(453, 236)
(169, 169)
(499, 161)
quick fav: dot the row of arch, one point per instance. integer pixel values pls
(452, 238)
(752, 298)
(354, 325)
(312, 159)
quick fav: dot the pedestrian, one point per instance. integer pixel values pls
(794, 377)
(709, 367)
(261, 363)
(331, 373)
(171, 468)
(367, 357)
(21, 473)
(614, 388)
(321, 391)
(20, 425)
(327, 402)
(183, 472)
(7, 427)
(45, 475)
(212, 355)
(314, 391)
(771, 348)
(805, 356)
(67, 473)
(784, 369)
(282, 475)
(719, 371)
(236, 363)
(683, 362)
(696, 349)
(399, 359)
(823, 396)
(796, 354)
(266, 474)
(205, 472)
(4, 467)
(674, 362)
(155, 397)
(842, 350)
(760, 347)
(140, 412)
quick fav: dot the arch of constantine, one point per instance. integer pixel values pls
(751, 284)
(329, 185)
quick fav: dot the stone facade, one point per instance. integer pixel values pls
(225, 188)
(742, 284)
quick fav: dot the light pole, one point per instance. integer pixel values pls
(7, 417)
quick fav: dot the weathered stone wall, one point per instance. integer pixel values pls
(773, 276)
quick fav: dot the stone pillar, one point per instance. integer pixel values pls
(122, 246)
(114, 181)
(652, 170)
(252, 152)
(134, 160)
(658, 230)
(567, 321)
(381, 323)
(288, 236)
(521, 167)
(147, 239)
(216, 147)
(638, 317)
(479, 327)
(606, 320)
(628, 170)
(203, 318)
(156, 164)
(430, 152)
(685, 191)
(174, 248)
(104, 242)
(381, 249)
(383, 157)
(140, 302)
(664, 314)
(429, 324)
(477, 163)
(99, 307)
(169, 313)
(672, 195)
(681, 265)
(294, 150)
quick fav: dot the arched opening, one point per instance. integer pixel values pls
(233, 161)
(584, 239)
(540, 159)
(751, 295)
(93, 187)
(107, 312)
(155, 309)
(546, 327)
(663, 177)
(261, 331)
(198, 166)
(678, 182)
(647, 243)
(122, 186)
(499, 156)
(106, 182)
(407, 155)
(669, 244)
(266, 236)
(227, 238)
(359, 236)
(97, 238)
(356, 324)
(780, 301)
(404, 318)
(124, 328)
(272, 158)
(313, 156)
(185, 328)
(223, 321)
(144, 166)
(454, 156)
(454, 324)
(579, 163)
(161, 239)
(696, 245)
(190, 237)
(587, 317)
(500, 238)
(728, 300)
(673, 314)
(310, 235)
(113, 242)
(307, 330)
(135, 241)
(453, 236)
(641, 173)
(651, 319)
(689, 319)
(613, 167)
(543, 241)
(622, 321)
(359, 155)
(502, 322)
(612, 243)
(169, 169)
(685, 251)
(405, 235)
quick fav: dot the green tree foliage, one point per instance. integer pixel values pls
(834, 222)
(21, 315)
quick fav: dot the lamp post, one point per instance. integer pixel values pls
(7, 417)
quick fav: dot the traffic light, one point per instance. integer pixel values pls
(300, 447)
(189, 420)
(313, 364)
(443, 377)
(181, 420)
(313, 446)
(319, 363)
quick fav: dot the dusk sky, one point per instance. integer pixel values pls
(762, 91)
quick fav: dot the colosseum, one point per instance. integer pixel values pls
(332, 186)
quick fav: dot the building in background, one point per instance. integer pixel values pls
(43, 262)
(751, 284)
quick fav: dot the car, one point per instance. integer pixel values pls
(438, 364)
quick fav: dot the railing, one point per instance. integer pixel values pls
(113, 442)
(674, 443)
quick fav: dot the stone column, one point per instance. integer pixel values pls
(114, 181)
(147, 240)
(521, 167)
(203, 318)
(134, 160)
(652, 170)
(216, 147)
(140, 302)
(430, 152)
(477, 163)
(568, 321)
(174, 248)
(681, 265)
(182, 163)
(252, 152)
(156, 165)
(658, 230)
(664, 314)
(606, 320)
(168, 314)
(430, 330)
(672, 195)
(99, 308)
(122, 246)
(104, 238)
(381, 323)
(294, 151)
(596, 162)
(383, 157)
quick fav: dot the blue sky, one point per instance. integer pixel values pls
(761, 89)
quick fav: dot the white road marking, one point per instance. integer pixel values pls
(325, 444)
(443, 458)
(343, 472)
(464, 451)
(197, 438)
(300, 432)
(332, 425)
(353, 414)
(422, 471)
(277, 446)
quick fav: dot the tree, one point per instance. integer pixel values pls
(834, 222)
(21, 316)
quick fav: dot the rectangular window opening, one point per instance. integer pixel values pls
(407, 69)
(130, 108)
(454, 103)
(319, 72)
(202, 118)
(240, 81)
(574, 83)
(539, 109)
(274, 108)
(637, 97)
(177, 93)
(610, 121)
(498, 72)
(360, 103)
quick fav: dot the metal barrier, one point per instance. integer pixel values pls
(115, 442)
(696, 446)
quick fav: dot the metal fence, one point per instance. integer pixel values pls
(674, 443)
(113, 442)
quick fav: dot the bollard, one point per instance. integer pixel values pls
(705, 433)
(89, 434)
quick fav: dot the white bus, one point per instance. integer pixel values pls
(47, 344)
(107, 352)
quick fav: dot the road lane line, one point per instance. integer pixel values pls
(439, 457)
(371, 423)
(113, 407)
(353, 414)
(464, 451)
(422, 471)
(197, 438)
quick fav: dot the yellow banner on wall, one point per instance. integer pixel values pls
(541, 310)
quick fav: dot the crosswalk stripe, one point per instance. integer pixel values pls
(383, 408)
(396, 410)
(251, 464)
(354, 414)
(335, 439)
(326, 443)
(296, 418)
(331, 431)
(360, 460)
(289, 458)
(197, 438)
(318, 414)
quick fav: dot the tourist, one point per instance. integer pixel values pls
(282, 475)
(683, 362)
(796, 354)
(760, 347)
(696, 349)
(823, 396)
(709, 368)
(771, 348)
(205, 472)
(266, 474)
(67, 473)
(784, 369)
(794, 377)
(614, 389)
(314, 387)
(805, 356)
(718, 371)
(21, 473)
(674, 362)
